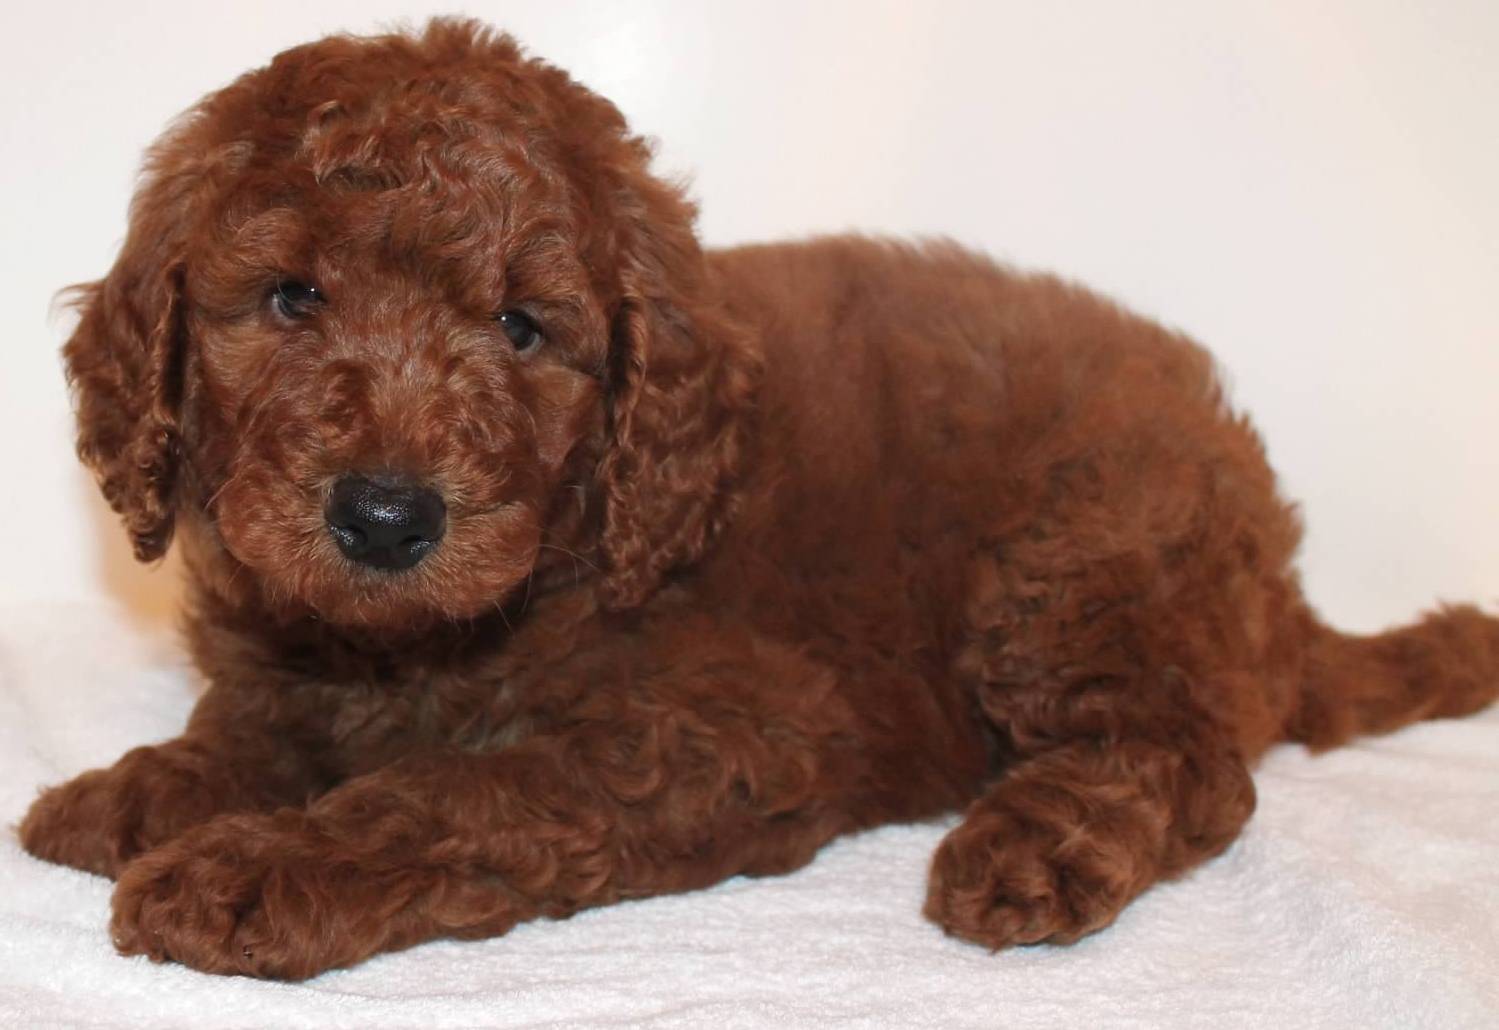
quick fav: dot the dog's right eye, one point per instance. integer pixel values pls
(295, 300)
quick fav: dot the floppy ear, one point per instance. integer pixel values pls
(124, 361)
(682, 384)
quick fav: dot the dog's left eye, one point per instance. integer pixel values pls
(522, 330)
(295, 300)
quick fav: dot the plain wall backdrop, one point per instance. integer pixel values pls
(1309, 188)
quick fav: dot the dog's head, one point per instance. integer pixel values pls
(395, 314)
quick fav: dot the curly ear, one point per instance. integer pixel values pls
(124, 360)
(683, 380)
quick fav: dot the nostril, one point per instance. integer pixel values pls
(350, 538)
(385, 525)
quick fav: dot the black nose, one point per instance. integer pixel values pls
(387, 526)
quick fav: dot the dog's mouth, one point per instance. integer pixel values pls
(375, 550)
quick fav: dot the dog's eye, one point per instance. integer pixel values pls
(520, 328)
(295, 300)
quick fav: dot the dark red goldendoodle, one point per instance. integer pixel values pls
(539, 558)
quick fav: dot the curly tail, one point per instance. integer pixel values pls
(1443, 666)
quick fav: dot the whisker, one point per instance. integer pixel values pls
(526, 601)
(574, 555)
(208, 504)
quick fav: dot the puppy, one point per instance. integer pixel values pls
(538, 558)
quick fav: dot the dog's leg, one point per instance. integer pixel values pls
(1114, 788)
(662, 774)
(226, 762)
(1135, 641)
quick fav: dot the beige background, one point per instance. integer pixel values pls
(1308, 188)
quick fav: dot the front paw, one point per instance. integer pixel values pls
(89, 823)
(1000, 881)
(102, 819)
(253, 895)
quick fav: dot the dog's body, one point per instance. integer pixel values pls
(706, 558)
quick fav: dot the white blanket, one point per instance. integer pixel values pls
(1365, 893)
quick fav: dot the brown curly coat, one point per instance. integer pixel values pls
(759, 547)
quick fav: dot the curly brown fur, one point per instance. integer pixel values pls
(756, 548)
